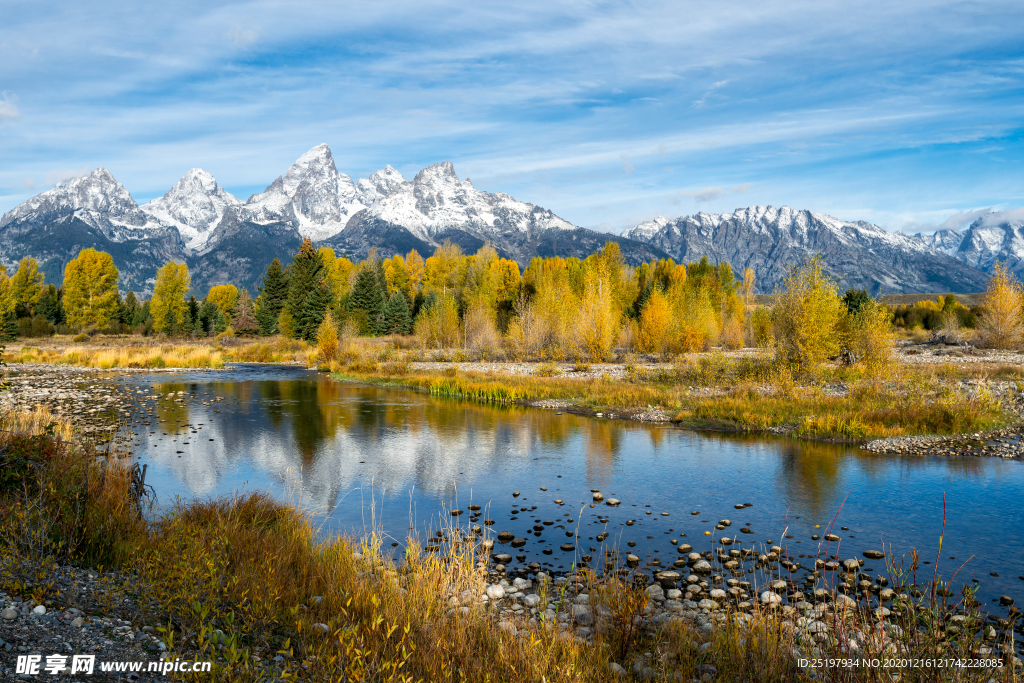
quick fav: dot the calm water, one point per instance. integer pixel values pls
(353, 455)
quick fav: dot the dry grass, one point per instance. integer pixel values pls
(715, 391)
(157, 355)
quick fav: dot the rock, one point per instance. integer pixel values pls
(655, 592)
(78, 622)
(502, 559)
(668, 579)
(613, 502)
(769, 598)
(39, 609)
(518, 542)
(844, 601)
(725, 522)
(707, 604)
(718, 594)
(874, 554)
(321, 628)
(515, 494)
(831, 537)
(598, 497)
(1005, 600)
(9, 614)
(506, 536)
(456, 513)
(568, 547)
(495, 591)
(531, 601)
(617, 669)
(508, 627)
(632, 559)
(851, 565)
(702, 567)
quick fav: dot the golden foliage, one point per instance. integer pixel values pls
(1001, 326)
(27, 282)
(327, 338)
(655, 324)
(90, 289)
(807, 315)
(225, 296)
(168, 306)
(873, 337)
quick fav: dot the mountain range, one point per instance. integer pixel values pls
(225, 239)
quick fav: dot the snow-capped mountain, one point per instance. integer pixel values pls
(767, 239)
(97, 199)
(437, 201)
(92, 211)
(379, 185)
(312, 195)
(996, 236)
(195, 206)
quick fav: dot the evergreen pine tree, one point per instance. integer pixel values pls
(368, 297)
(312, 311)
(47, 306)
(396, 315)
(309, 293)
(9, 329)
(272, 297)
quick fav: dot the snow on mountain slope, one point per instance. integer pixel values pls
(436, 201)
(312, 194)
(996, 236)
(379, 185)
(768, 239)
(98, 200)
(195, 206)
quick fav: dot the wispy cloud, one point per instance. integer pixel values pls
(598, 111)
(61, 174)
(9, 107)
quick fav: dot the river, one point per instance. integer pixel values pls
(361, 458)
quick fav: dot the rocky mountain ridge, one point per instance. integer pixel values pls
(767, 239)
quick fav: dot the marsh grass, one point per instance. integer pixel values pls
(156, 356)
(721, 392)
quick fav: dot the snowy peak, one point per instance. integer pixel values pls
(312, 194)
(769, 239)
(97, 192)
(195, 205)
(436, 201)
(379, 185)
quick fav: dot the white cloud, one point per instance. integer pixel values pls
(963, 218)
(1000, 217)
(242, 36)
(9, 107)
(707, 194)
(627, 165)
(60, 174)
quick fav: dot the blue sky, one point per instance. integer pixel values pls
(908, 114)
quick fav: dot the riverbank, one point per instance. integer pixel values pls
(742, 392)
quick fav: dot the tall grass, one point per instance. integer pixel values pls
(199, 355)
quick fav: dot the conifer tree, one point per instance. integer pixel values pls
(396, 314)
(309, 292)
(244, 316)
(271, 299)
(368, 297)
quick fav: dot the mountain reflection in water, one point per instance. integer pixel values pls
(333, 447)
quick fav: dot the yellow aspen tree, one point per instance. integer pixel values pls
(655, 322)
(749, 281)
(327, 338)
(1001, 326)
(414, 268)
(168, 306)
(90, 289)
(225, 296)
(807, 315)
(27, 283)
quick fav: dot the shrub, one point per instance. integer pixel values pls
(80, 337)
(655, 323)
(327, 338)
(761, 327)
(807, 315)
(872, 337)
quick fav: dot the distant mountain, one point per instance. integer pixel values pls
(996, 236)
(766, 239)
(226, 240)
(92, 211)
